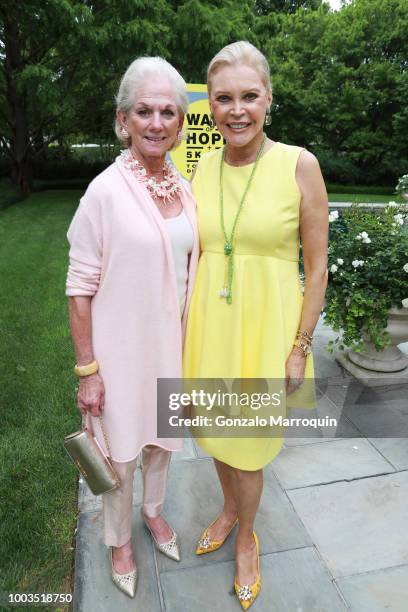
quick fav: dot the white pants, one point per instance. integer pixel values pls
(117, 504)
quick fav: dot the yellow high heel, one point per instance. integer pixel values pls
(248, 593)
(206, 545)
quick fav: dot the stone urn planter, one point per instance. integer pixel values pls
(390, 359)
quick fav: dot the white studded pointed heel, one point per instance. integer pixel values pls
(171, 548)
(125, 582)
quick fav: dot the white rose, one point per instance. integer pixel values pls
(405, 268)
(405, 303)
(355, 263)
(333, 216)
(341, 262)
(333, 268)
(364, 237)
(361, 262)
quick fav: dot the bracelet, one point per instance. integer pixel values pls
(304, 346)
(87, 370)
(303, 335)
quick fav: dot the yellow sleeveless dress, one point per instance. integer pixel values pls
(253, 336)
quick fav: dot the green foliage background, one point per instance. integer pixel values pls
(340, 78)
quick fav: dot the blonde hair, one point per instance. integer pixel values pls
(136, 75)
(241, 52)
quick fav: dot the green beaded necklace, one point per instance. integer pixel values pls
(226, 291)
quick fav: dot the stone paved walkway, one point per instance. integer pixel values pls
(332, 522)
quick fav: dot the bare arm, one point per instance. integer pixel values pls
(81, 328)
(91, 393)
(314, 238)
(314, 226)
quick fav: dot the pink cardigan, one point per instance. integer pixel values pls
(122, 256)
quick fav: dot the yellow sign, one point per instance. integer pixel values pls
(200, 136)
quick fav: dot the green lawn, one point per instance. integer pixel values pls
(38, 485)
(363, 197)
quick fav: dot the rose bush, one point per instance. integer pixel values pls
(368, 273)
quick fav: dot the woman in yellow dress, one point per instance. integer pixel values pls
(256, 199)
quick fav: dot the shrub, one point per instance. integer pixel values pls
(368, 273)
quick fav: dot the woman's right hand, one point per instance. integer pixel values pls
(91, 395)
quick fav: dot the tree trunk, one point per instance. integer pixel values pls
(20, 151)
(40, 147)
(20, 148)
(22, 175)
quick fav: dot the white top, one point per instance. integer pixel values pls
(182, 239)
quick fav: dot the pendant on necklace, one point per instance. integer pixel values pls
(228, 249)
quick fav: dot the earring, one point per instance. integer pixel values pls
(124, 133)
(268, 118)
(178, 140)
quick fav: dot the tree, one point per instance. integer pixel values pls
(265, 7)
(50, 67)
(34, 74)
(340, 87)
(370, 50)
(202, 28)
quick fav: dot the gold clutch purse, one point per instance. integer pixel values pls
(85, 451)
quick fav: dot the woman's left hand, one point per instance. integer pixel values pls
(295, 370)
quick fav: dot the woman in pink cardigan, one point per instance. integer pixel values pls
(133, 256)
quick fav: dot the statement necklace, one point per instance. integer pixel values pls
(226, 291)
(165, 190)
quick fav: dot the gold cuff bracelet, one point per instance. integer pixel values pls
(87, 370)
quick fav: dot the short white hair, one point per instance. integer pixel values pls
(241, 52)
(135, 76)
